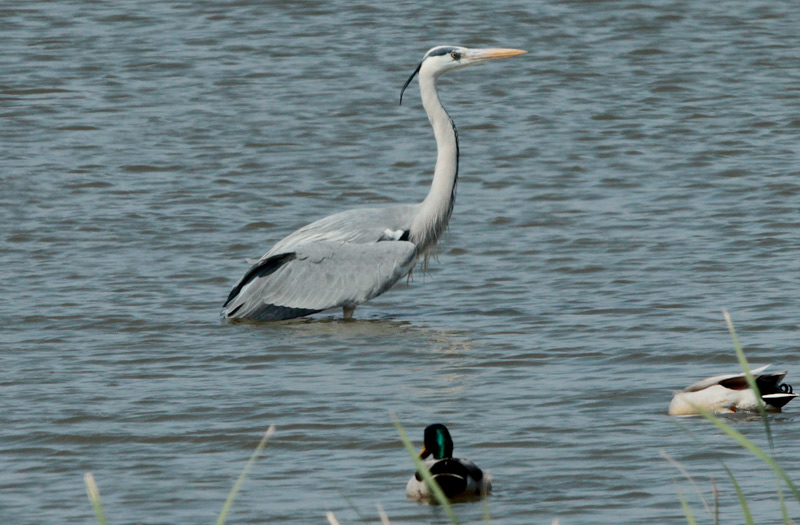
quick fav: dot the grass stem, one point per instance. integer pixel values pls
(243, 475)
(94, 498)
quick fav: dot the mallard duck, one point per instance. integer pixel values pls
(730, 393)
(457, 477)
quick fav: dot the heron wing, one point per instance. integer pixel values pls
(318, 275)
(359, 226)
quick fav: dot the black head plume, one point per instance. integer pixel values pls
(408, 82)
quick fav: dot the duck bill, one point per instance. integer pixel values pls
(482, 55)
(424, 453)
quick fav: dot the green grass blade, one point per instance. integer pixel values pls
(751, 381)
(243, 475)
(425, 473)
(748, 518)
(686, 474)
(353, 506)
(715, 492)
(685, 505)
(487, 516)
(784, 511)
(383, 516)
(752, 447)
(94, 498)
(761, 408)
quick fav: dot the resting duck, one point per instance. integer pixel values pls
(457, 477)
(730, 393)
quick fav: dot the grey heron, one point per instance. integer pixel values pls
(348, 258)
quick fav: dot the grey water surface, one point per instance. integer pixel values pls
(623, 182)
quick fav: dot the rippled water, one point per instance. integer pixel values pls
(632, 175)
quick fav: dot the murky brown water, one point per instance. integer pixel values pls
(620, 184)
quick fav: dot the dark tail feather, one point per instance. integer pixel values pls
(260, 269)
(271, 312)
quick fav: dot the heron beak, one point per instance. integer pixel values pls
(482, 55)
(424, 453)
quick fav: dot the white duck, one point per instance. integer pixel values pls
(730, 393)
(458, 478)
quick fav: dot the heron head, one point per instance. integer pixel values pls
(437, 442)
(441, 59)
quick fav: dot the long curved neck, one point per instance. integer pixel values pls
(434, 212)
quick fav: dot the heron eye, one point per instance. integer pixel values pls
(456, 55)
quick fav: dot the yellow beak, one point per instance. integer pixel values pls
(480, 55)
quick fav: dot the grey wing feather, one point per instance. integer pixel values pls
(363, 225)
(319, 275)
